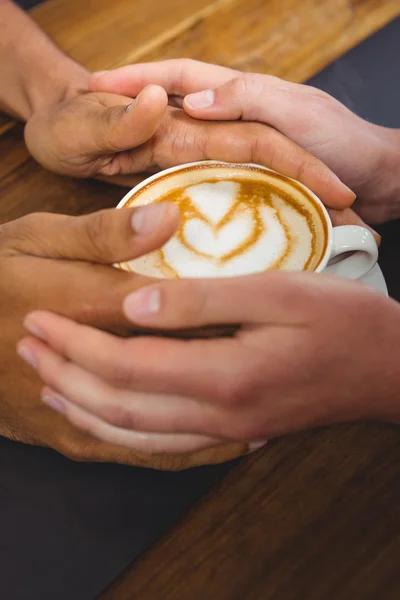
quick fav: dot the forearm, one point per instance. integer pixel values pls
(382, 381)
(34, 72)
(391, 171)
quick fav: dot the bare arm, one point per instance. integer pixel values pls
(34, 72)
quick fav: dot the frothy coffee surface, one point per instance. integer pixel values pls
(234, 221)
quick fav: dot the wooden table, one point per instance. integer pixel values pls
(313, 516)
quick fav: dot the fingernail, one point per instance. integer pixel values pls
(99, 73)
(200, 100)
(253, 446)
(350, 190)
(54, 401)
(343, 185)
(131, 105)
(147, 219)
(27, 355)
(142, 303)
(34, 329)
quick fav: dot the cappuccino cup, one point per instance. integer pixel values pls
(239, 219)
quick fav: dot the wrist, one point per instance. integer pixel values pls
(63, 79)
(391, 170)
(385, 191)
(35, 73)
(383, 388)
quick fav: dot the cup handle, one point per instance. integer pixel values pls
(362, 245)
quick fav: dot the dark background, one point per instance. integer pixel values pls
(68, 529)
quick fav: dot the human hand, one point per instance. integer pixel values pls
(64, 264)
(95, 134)
(311, 350)
(92, 134)
(363, 155)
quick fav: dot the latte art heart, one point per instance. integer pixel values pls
(234, 225)
(214, 200)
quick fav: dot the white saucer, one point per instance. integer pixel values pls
(376, 279)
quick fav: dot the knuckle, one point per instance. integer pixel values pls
(122, 373)
(319, 94)
(245, 429)
(187, 64)
(168, 141)
(121, 416)
(310, 167)
(196, 301)
(179, 139)
(263, 144)
(97, 227)
(189, 306)
(250, 84)
(235, 391)
(108, 130)
(239, 86)
(241, 390)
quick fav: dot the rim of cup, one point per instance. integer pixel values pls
(328, 249)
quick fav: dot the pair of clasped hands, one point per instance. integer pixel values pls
(302, 355)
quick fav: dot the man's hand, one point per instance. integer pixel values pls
(364, 156)
(92, 134)
(311, 350)
(64, 264)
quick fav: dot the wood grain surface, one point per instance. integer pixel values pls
(313, 516)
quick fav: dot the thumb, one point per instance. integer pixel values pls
(251, 97)
(118, 128)
(107, 236)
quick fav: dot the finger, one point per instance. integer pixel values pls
(106, 236)
(291, 109)
(148, 443)
(181, 139)
(249, 96)
(127, 181)
(117, 128)
(177, 76)
(349, 217)
(200, 369)
(275, 298)
(120, 407)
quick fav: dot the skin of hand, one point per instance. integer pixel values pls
(65, 264)
(93, 134)
(73, 131)
(82, 133)
(291, 365)
(364, 156)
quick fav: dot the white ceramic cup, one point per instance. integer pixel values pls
(351, 251)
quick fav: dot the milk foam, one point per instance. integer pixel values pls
(234, 226)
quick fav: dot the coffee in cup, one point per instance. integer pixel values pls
(239, 219)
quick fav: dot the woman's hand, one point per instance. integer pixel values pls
(93, 134)
(311, 350)
(364, 156)
(64, 264)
